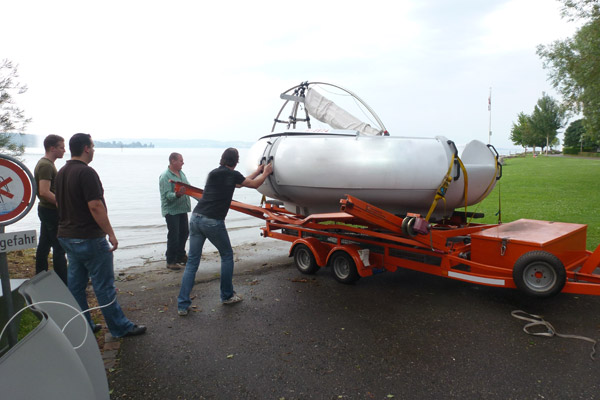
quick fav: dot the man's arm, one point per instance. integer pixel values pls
(100, 215)
(254, 180)
(45, 193)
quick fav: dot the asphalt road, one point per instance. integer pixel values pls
(402, 335)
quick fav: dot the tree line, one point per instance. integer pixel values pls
(574, 70)
(119, 144)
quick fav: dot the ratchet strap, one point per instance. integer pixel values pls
(536, 320)
(440, 194)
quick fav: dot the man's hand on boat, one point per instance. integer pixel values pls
(268, 169)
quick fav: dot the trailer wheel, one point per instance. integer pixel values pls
(305, 259)
(539, 274)
(344, 267)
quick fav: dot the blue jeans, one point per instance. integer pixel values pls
(91, 258)
(202, 228)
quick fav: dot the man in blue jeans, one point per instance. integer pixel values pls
(208, 222)
(83, 225)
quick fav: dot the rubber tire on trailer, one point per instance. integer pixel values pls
(305, 259)
(550, 270)
(343, 267)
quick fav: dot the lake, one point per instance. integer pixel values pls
(130, 180)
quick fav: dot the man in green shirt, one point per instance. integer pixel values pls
(45, 174)
(174, 207)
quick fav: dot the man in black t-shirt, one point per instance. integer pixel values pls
(83, 225)
(208, 222)
(45, 177)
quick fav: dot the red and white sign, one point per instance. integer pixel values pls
(16, 190)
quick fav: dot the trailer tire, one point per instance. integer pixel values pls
(539, 274)
(344, 267)
(305, 259)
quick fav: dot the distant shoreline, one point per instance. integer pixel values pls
(31, 140)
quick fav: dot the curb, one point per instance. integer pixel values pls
(110, 351)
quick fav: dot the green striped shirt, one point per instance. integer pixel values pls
(169, 202)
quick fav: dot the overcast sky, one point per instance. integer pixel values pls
(214, 70)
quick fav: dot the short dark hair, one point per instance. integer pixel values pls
(174, 156)
(230, 157)
(52, 141)
(78, 142)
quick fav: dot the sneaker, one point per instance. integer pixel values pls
(233, 299)
(136, 330)
(184, 312)
(173, 267)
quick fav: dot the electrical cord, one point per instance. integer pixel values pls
(78, 314)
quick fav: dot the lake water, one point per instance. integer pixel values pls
(130, 180)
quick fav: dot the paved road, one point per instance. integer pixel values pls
(401, 335)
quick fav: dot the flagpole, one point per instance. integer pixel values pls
(490, 110)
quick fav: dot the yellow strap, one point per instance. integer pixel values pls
(441, 191)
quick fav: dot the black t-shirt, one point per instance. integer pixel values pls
(218, 192)
(76, 185)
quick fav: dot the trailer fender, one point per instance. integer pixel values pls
(359, 256)
(319, 250)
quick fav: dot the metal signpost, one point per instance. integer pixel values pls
(17, 196)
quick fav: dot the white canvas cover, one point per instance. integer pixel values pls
(328, 112)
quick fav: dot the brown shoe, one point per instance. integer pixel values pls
(173, 267)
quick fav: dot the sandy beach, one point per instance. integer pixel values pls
(248, 257)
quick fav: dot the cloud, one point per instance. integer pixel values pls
(522, 25)
(215, 69)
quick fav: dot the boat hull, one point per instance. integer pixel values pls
(312, 172)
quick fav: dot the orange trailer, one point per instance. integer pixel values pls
(538, 257)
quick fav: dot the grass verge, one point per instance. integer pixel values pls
(560, 189)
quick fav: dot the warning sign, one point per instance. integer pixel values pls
(17, 190)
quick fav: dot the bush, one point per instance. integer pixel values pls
(570, 150)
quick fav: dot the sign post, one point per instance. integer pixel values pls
(17, 196)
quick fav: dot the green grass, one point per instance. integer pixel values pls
(561, 189)
(28, 322)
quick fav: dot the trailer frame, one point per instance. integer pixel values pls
(540, 258)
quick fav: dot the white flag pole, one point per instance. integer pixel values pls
(490, 110)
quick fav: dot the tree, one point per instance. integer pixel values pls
(12, 118)
(574, 64)
(586, 9)
(546, 120)
(575, 134)
(541, 127)
(520, 133)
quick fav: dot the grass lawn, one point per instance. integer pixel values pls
(561, 189)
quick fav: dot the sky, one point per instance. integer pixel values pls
(214, 70)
